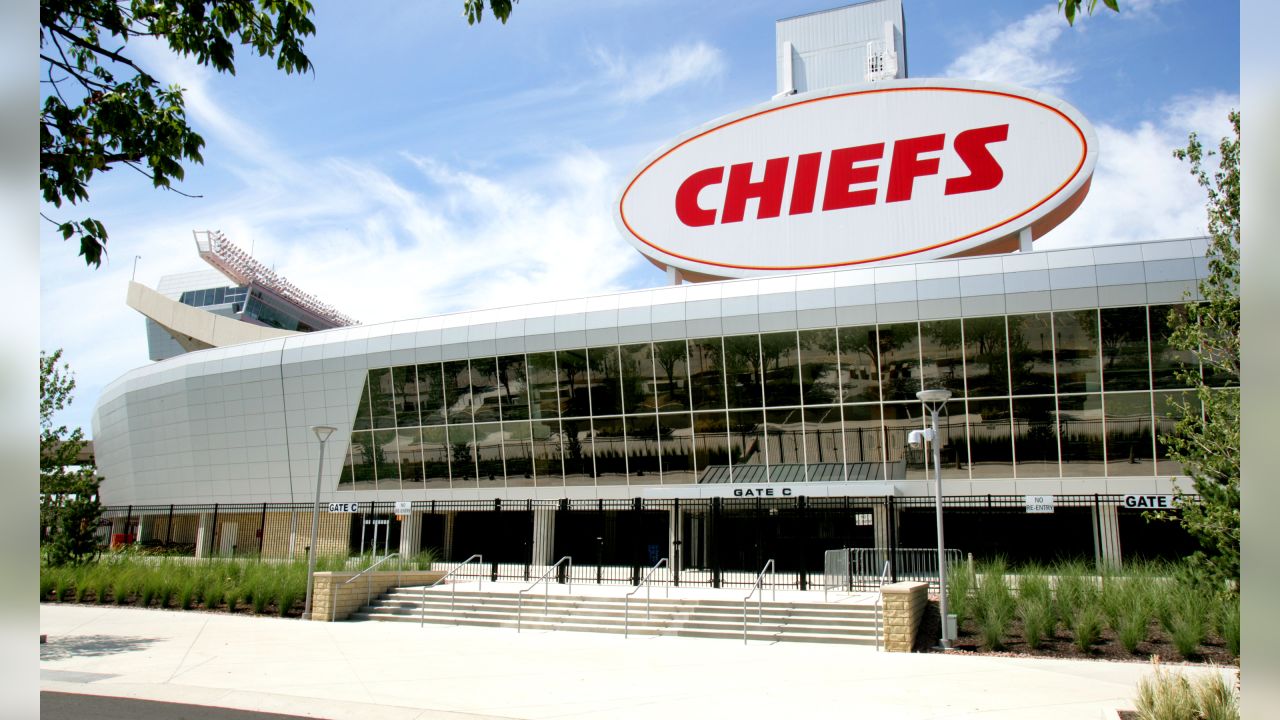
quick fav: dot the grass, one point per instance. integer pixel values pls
(960, 585)
(1166, 695)
(994, 604)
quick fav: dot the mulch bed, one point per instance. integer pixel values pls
(133, 601)
(1213, 651)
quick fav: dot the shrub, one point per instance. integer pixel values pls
(1086, 627)
(1166, 695)
(1037, 618)
(993, 604)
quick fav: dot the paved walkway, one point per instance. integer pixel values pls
(399, 671)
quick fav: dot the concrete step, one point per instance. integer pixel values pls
(682, 621)
(496, 599)
(854, 622)
(594, 605)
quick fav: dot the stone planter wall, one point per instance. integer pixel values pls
(904, 605)
(333, 600)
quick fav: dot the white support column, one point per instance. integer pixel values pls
(1106, 523)
(544, 537)
(146, 524)
(880, 525)
(204, 535)
(410, 534)
(1024, 240)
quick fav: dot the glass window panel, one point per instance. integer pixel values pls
(544, 391)
(386, 457)
(1080, 435)
(673, 375)
(484, 389)
(578, 449)
(1130, 449)
(904, 461)
(431, 394)
(953, 430)
(643, 449)
(347, 478)
(863, 442)
(990, 439)
(676, 433)
(1167, 361)
(517, 450)
(405, 380)
(823, 436)
(711, 440)
(609, 450)
(859, 364)
(1076, 351)
(1125, 354)
(942, 356)
(819, 367)
(514, 391)
(986, 357)
(706, 380)
(900, 361)
(1031, 354)
(362, 471)
(381, 398)
(364, 414)
(746, 437)
(462, 455)
(785, 439)
(1169, 409)
(489, 455)
(574, 392)
(548, 457)
(457, 391)
(742, 370)
(1035, 437)
(409, 447)
(637, 378)
(780, 359)
(606, 381)
(435, 457)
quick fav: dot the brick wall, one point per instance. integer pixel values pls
(904, 605)
(333, 600)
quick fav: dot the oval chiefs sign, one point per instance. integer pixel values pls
(898, 171)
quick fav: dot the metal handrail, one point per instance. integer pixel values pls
(879, 602)
(546, 594)
(453, 592)
(644, 582)
(759, 585)
(369, 590)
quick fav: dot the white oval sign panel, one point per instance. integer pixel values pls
(899, 171)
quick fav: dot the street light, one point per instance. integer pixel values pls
(322, 433)
(934, 400)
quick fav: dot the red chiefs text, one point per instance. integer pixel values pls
(847, 169)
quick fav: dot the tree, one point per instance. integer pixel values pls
(1071, 7)
(103, 111)
(1207, 437)
(69, 508)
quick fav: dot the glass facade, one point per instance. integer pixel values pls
(1075, 394)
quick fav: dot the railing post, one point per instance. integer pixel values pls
(804, 570)
(893, 539)
(213, 533)
(715, 546)
(262, 530)
(679, 556)
(168, 529)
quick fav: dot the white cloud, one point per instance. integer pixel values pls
(639, 79)
(1140, 191)
(1020, 54)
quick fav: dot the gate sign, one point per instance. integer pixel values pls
(901, 170)
(1039, 503)
(344, 507)
(404, 507)
(1150, 502)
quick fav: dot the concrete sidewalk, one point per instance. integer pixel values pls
(398, 670)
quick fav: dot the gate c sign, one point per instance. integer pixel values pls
(1150, 502)
(910, 169)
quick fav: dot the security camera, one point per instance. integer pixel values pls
(916, 438)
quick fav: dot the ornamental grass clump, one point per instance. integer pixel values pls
(1229, 624)
(1035, 606)
(1188, 615)
(994, 604)
(960, 584)
(1074, 588)
(1127, 602)
(1166, 695)
(1086, 627)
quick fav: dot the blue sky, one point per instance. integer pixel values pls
(431, 167)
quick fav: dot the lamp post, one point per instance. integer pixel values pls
(934, 400)
(322, 433)
(136, 258)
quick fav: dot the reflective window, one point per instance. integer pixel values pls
(1031, 354)
(457, 391)
(606, 381)
(574, 391)
(345, 479)
(517, 452)
(544, 390)
(462, 455)
(676, 432)
(489, 455)
(904, 461)
(785, 437)
(1125, 355)
(381, 398)
(643, 448)
(819, 367)
(823, 436)
(673, 375)
(1170, 407)
(1077, 351)
(513, 391)
(711, 440)
(548, 458)
(363, 476)
(781, 362)
(1167, 361)
(364, 415)
(746, 437)
(1129, 442)
(863, 442)
(942, 356)
(484, 389)
(986, 357)
(578, 448)
(435, 457)
(386, 459)
(990, 438)
(637, 378)
(431, 394)
(705, 377)
(1035, 437)
(900, 361)
(1080, 435)
(409, 447)
(859, 364)
(405, 380)
(954, 441)
(610, 452)
(742, 370)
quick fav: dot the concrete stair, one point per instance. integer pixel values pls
(683, 617)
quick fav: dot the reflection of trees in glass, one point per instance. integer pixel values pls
(670, 356)
(1124, 348)
(705, 374)
(941, 348)
(818, 367)
(543, 388)
(457, 381)
(986, 355)
(1076, 350)
(637, 378)
(1031, 354)
(742, 368)
(860, 362)
(605, 385)
(511, 374)
(782, 377)
(899, 361)
(380, 398)
(573, 369)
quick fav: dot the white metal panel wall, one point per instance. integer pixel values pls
(830, 47)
